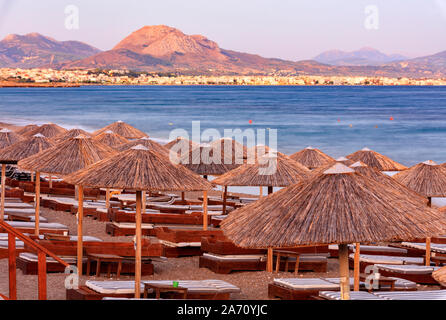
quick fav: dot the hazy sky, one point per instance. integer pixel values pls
(288, 29)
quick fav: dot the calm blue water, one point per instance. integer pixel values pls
(339, 120)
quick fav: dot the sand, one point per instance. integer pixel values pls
(253, 285)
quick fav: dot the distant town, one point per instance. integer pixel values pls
(52, 77)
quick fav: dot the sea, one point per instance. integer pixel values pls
(406, 123)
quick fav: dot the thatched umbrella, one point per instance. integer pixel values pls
(376, 160)
(146, 142)
(429, 180)
(311, 157)
(275, 170)
(440, 276)
(123, 129)
(230, 146)
(23, 130)
(343, 160)
(377, 175)
(181, 146)
(337, 206)
(110, 139)
(140, 169)
(64, 158)
(210, 160)
(49, 130)
(18, 151)
(73, 133)
(8, 137)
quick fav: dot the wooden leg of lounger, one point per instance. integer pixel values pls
(80, 219)
(277, 262)
(344, 272)
(356, 267)
(138, 246)
(37, 202)
(428, 251)
(269, 260)
(118, 273)
(205, 210)
(296, 266)
(98, 267)
(2, 209)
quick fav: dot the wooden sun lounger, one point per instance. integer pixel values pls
(197, 289)
(299, 288)
(165, 218)
(354, 295)
(366, 260)
(413, 295)
(29, 227)
(224, 264)
(416, 273)
(372, 250)
(117, 229)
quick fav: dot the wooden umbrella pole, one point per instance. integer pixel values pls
(205, 210)
(225, 195)
(138, 246)
(107, 198)
(428, 240)
(344, 272)
(261, 192)
(80, 219)
(32, 177)
(269, 260)
(356, 267)
(37, 202)
(183, 196)
(428, 251)
(2, 210)
(143, 204)
(50, 181)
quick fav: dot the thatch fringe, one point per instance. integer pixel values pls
(8, 137)
(339, 206)
(73, 133)
(139, 169)
(426, 178)
(123, 129)
(110, 139)
(312, 158)
(270, 170)
(25, 148)
(68, 156)
(49, 130)
(376, 160)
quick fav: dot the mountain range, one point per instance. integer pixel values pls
(363, 57)
(166, 49)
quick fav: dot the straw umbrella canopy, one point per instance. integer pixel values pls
(140, 169)
(110, 139)
(26, 129)
(180, 145)
(146, 142)
(440, 276)
(428, 179)
(230, 146)
(311, 157)
(123, 129)
(343, 160)
(275, 170)
(338, 206)
(49, 130)
(73, 133)
(18, 151)
(210, 160)
(64, 158)
(376, 160)
(8, 137)
(377, 175)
